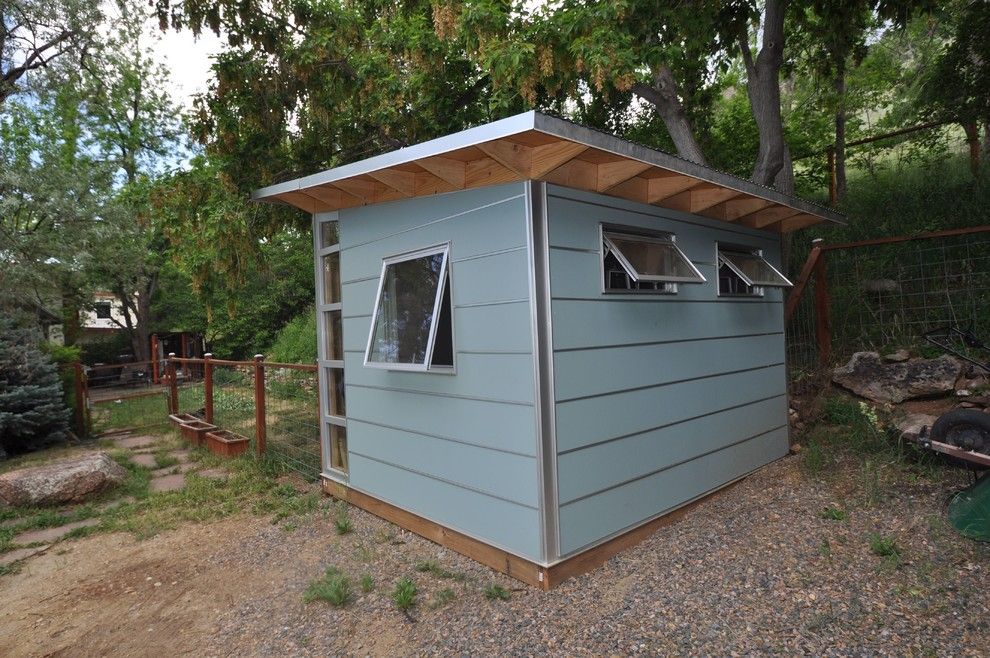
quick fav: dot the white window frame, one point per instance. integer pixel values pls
(325, 362)
(445, 280)
(758, 289)
(669, 283)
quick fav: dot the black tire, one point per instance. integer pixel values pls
(963, 428)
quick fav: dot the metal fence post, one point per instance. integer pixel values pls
(173, 385)
(208, 387)
(821, 312)
(259, 403)
(80, 398)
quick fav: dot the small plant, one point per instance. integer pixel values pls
(883, 546)
(813, 457)
(367, 583)
(333, 587)
(442, 598)
(433, 567)
(833, 514)
(825, 548)
(497, 593)
(404, 594)
(342, 522)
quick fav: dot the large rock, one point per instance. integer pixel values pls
(868, 376)
(70, 480)
(911, 425)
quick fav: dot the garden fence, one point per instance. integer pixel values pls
(885, 294)
(274, 405)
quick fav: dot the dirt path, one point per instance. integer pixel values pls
(758, 570)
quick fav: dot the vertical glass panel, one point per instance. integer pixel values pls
(334, 336)
(335, 392)
(338, 447)
(405, 309)
(328, 234)
(331, 278)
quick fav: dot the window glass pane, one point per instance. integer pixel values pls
(335, 392)
(652, 259)
(730, 283)
(753, 269)
(617, 278)
(338, 447)
(404, 314)
(334, 336)
(328, 234)
(331, 278)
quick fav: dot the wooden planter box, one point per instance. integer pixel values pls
(180, 419)
(195, 431)
(226, 443)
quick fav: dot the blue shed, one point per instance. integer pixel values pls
(538, 340)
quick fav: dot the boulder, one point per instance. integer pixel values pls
(69, 480)
(897, 357)
(911, 425)
(868, 376)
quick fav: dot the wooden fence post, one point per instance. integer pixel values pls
(80, 397)
(259, 403)
(208, 387)
(173, 385)
(821, 312)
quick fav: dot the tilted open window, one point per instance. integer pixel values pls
(412, 325)
(635, 262)
(742, 272)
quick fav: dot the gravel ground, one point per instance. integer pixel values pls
(756, 570)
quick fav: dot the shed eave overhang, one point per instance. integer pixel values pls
(535, 146)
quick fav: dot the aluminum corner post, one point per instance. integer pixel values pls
(546, 431)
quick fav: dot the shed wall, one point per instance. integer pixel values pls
(459, 450)
(658, 399)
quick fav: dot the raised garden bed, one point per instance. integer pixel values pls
(180, 419)
(195, 431)
(226, 443)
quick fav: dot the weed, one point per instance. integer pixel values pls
(883, 546)
(442, 598)
(497, 593)
(834, 514)
(813, 457)
(165, 460)
(825, 548)
(404, 594)
(365, 553)
(342, 522)
(333, 587)
(11, 569)
(289, 526)
(870, 479)
(367, 583)
(433, 567)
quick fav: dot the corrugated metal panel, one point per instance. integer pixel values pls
(659, 399)
(457, 449)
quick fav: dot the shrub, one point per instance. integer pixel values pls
(296, 341)
(32, 409)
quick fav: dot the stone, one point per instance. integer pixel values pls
(169, 470)
(20, 554)
(49, 535)
(868, 376)
(167, 483)
(911, 425)
(963, 393)
(71, 480)
(213, 473)
(897, 357)
(135, 442)
(147, 460)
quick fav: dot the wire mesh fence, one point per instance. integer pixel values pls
(885, 295)
(292, 418)
(123, 396)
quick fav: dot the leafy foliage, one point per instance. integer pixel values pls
(296, 341)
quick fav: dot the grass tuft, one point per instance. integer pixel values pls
(404, 594)
(442, 598)
(883, 546)
(433, 567)
(342, 522)
(834, 514)
(367, 583)
(334, 588)
(497, 593)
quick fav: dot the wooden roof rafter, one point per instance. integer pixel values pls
(534, 146)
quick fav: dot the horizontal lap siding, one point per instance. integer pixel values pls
(659, 399)
(457, 449)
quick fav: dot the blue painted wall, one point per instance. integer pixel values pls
(658, 399)
(457, 449)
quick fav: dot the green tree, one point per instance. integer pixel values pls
(32, 411)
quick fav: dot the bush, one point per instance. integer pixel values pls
(296, 341)
(32, 410)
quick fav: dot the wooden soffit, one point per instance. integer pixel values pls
(534, 146)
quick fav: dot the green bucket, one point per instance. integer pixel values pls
(969, 510)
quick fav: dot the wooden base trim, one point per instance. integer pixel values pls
(502, 561)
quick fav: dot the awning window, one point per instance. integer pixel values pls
(648, 258)
(753, 269)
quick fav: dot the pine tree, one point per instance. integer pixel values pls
(32, 410)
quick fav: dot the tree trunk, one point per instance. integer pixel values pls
(840, 131)
(784, 180)
(986, 140)
(71, 304)
(664, 96)
(763, 89)
(973, 139)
